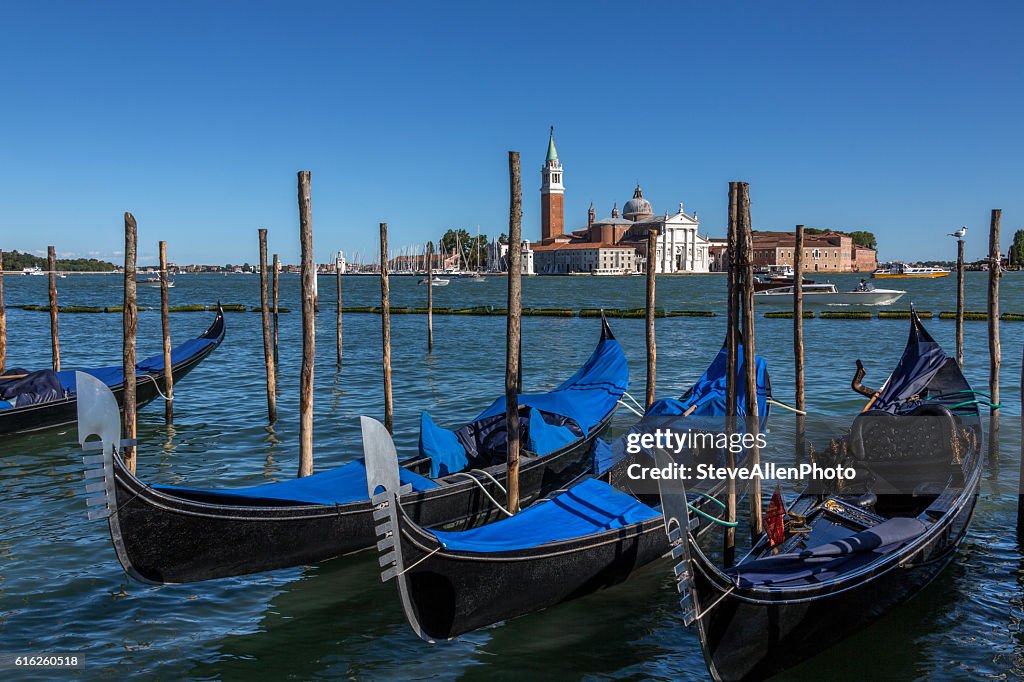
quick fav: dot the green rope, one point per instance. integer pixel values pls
(721, 505)
(966, 403)
(946, 395)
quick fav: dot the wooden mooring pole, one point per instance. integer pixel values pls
(308, 269)
(798, 336)
(746, 239)
(268, 334)
(3, 319)
(732, 363)
(337, 278)
(130, 319)
(513, 335)
(385, 325)
(51, 267)
(430, 297)
(652, 351)
(960, 303)
(276, 281)
(994, 272)
(165, 328)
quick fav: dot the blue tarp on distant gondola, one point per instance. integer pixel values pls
(555, 419)
(114, 376)
(587, 508)
(344, 484)
(921, 361)
(708, 393)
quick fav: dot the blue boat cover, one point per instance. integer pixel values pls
(585, 399)
(827, 561)
(604, 456)
(344, 484)
(114, 376)
(708, 394)
(921, 361)
(585, 509)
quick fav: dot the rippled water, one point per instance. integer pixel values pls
(62, 590)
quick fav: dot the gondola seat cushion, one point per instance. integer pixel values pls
(924, 434)
(4, 405)
(341, 485)
(446, 453)
(585, 509)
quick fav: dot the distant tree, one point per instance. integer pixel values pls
(15, 260)
(1016, 254)
(864, 238)
(503, 238)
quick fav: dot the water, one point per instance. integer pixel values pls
(62, 590)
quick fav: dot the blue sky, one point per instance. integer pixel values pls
(899, 118)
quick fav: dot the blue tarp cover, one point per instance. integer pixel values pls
(921, 361)
(587, 397)
(113, 376)
(346, 483)
(827, 561)
(709, 391)
(585, 509)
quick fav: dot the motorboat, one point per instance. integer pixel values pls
(828, 294)
(904, 271)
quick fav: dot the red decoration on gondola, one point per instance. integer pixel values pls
(774, 518)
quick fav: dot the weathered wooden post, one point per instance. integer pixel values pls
(130, 319)
(268, 340)
(430, 297)
(3, 319)
(276, 280)
(960, 302)
(732, 363)
(652, 351)
(51, 267)
(165, 326)
(749, 362)
(994, 272)
(385, 324)
(798, 334)
(513, 334)
(337, 276)
(308, 327)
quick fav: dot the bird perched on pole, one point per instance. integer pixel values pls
(959, 234)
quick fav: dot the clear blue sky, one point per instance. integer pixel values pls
(904, 119)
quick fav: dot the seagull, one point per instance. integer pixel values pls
(959, 234)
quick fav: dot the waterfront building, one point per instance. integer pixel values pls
(616, 244)
(831, 252)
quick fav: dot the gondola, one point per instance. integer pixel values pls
(46, 399)
(847, 553)
(589, 536)
(166, 534)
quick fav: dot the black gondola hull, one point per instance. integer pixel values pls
(164, 538)
(753, 641)
(149, 386)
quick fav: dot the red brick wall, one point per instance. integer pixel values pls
(552, 216)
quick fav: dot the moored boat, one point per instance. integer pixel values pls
(591, 535)
(904, 271)
(828, 294)
(171, 534)
(30, 401)
(848, 553)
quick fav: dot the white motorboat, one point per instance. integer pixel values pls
(436, 282)
(828, 294)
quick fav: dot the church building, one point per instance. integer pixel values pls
(616, 245)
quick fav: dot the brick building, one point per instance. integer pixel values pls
(832, 252)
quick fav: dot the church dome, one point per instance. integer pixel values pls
(637, 207)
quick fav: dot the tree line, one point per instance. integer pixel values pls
(15, 260)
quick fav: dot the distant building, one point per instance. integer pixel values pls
(497, 257)
(616, 244)
(832, 252)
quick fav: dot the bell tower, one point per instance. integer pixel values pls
(552, 191)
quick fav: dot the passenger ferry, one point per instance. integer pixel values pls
(902, 270)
